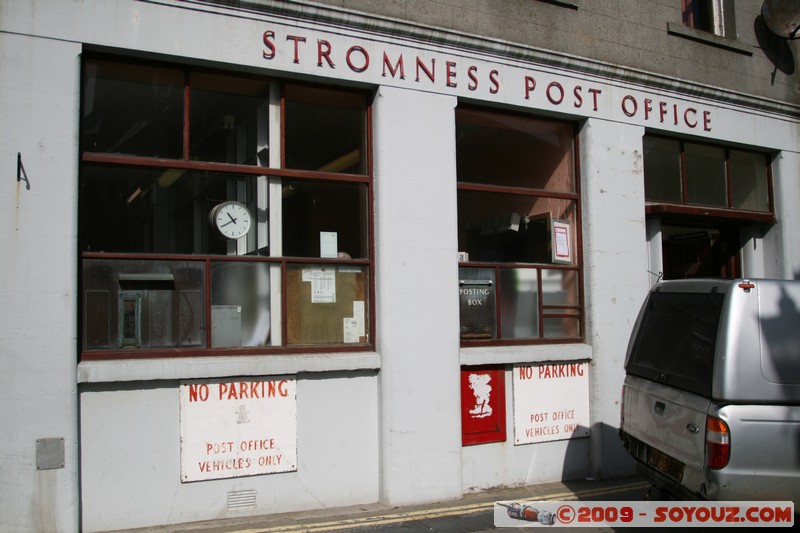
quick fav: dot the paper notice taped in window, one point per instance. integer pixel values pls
(323, 284)
(351, 329)
(561, 242)
(328, 244)
(354, 327)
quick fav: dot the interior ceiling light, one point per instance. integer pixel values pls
(170, 176)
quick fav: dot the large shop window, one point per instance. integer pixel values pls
(518, 229)
(221, 214)
(689, 177)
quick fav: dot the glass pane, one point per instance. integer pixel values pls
(477, 303)
(519, 303)
(705, 175)
(331, 212)
(146, 210)
(143, 304)
(511, 228)
(132, 109)
(325, 130)
(327, 304)
(749, 181)
(514, 151)
(562, 327)
(677, 339)
(662, 170)
(560, 288)
(240, 298)
(229, 120)
(699, 14)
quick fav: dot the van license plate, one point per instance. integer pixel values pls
(666, 464)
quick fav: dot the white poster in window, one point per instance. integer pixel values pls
(354, 327)
(551, 402)
(238, 428)
(562, 239)
(328, 244)
(323, 284)
(351, 330)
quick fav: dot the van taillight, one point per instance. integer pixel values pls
(718, 443)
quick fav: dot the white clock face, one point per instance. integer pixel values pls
(232, 219)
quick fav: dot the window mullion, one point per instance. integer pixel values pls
(187, 91)
(540, 302)
(284, 328)
(498, 298)
(684, 181)
(728, 180)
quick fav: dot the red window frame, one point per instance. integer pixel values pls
(187, 164)
(544, 311)
(730, 213)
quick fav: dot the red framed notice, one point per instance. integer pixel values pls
(562, 239)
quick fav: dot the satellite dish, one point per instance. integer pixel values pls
(782, 17)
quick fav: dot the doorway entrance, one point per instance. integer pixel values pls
(693, 251)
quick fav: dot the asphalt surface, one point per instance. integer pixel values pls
(474, 513)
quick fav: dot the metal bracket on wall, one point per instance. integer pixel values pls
(21, 174)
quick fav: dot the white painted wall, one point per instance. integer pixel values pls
(752, 239)
(130, 454)
(370, 426)
(781, 249)
(417, 295)
(655, 249)
(38, 281)
(615, 273)
(505, 464)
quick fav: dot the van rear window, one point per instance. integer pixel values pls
(677, 339)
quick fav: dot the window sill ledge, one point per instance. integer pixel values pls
(223, 366)
(492, 355)
(562, 3)
(679, 30)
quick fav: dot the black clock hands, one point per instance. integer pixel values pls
(232, 221)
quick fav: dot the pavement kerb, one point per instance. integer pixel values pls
(354, 517)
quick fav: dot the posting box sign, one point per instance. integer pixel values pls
(551, 402)
(238, 428)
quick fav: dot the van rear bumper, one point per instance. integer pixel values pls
(666, 487)
(670, 487)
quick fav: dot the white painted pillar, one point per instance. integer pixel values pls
(752, 251)
(655, 256)
(38, 272)
(782, 256)
(417, 296)
(615, 274)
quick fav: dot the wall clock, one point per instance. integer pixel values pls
(232, 219)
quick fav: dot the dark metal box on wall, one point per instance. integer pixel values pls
(476, 292)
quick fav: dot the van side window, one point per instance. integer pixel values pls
(677, 340)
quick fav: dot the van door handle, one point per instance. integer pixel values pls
(692, 428)
(658, 408)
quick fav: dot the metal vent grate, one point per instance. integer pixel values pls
(241, 499)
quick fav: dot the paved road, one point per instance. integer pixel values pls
(479, 518)
(472, 514)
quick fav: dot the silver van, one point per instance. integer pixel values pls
(711, 400)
